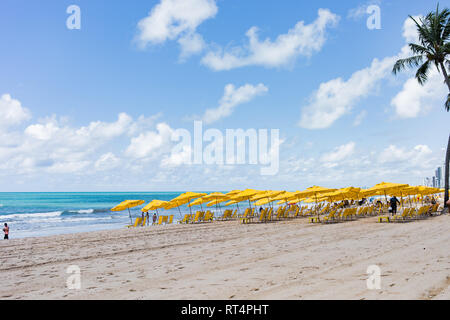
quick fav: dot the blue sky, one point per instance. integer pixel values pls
(343, 118)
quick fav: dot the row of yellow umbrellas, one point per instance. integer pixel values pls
(313, 194)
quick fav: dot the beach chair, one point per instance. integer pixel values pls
(246, 217)
(296, 212)
(269, 215)
(346, 214)
(197, 217)
(405, 216)
(209, 216)
(263, 215)
(185, 219)
(137, 222)
(160, 220)
(315, 219)
(280, 213)
(235, 214)
(170, 219)
(330, 218)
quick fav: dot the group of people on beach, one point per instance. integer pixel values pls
(147, 218)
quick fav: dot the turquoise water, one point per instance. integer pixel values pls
(43, 214)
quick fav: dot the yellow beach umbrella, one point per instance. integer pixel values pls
(215, 198)
(265, 197)
(313, 192)
(197, 202)
(183, 199)
(245, 195)
(384, 188)
(232, 193)
(127, 204)
(154, 205)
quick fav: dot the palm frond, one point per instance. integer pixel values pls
(410, 62)
(419, 50)
(422, 73)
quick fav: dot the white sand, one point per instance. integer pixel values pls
(227, 260)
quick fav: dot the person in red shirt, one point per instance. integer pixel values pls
(6, 231)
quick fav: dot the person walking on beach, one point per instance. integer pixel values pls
(6, 231)
(147, 218)
(393, 203)
(154, 218)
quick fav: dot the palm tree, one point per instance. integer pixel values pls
(434, 48)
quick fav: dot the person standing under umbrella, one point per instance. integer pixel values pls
(393, 202)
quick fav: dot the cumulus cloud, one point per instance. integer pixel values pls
(336, 98)
(359, 118)
(175, 159)
(107, 161)
(303, 39)
(417, 156)
(53, 146)
(148, 144)
(415, 99)
(231, 99)
(176, 20)
(361, 10)
(339, 153)
(12, 112)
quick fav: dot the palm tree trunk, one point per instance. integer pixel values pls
(447, 168)
(444, 71)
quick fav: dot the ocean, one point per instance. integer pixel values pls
(44, 214)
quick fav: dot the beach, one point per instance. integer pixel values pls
(290, 259)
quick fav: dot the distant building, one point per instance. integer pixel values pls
(439, 177)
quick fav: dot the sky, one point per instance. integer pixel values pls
(94, 101)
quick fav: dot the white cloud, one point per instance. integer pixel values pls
(12, 112)
(359, 118)
(231, 99)
(149, 144)
(361, 10)
(410, 30)
(415, 99)
(191, 44)
(176, 159)
(107, 161)
(176, 19)
(337, 97)
(303, 39)
(418, 156)
(339, 153)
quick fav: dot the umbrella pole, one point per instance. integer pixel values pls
(317, 211)
(190, 209)
(129, 213)
(179, 210)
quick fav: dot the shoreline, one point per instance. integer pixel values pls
(227, 260)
